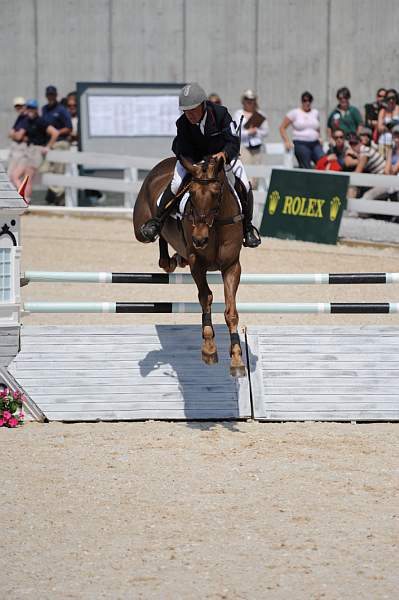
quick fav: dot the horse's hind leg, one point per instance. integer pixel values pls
(165, 262)
(205, 296)
(231, 280)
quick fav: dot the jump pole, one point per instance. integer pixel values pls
(217, 307)
(215, 278)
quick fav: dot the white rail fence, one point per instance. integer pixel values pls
(131, 183)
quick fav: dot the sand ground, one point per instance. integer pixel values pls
(198, 510)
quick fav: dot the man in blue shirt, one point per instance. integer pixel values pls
(56, 115)
(17, 144)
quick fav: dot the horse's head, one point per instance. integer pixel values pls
(206, 188)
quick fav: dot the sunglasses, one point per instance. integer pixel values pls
(306, 100)
(338, 137)
(390, 98)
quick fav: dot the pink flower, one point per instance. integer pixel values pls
(16, 395)
(23, 397)
(6, 415)
(2, 421)
(13, 422)
(21, 415)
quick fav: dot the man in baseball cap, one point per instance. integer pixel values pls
(204, 129)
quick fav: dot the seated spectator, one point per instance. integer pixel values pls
(215, 99)
(372, 110)
(388, 117)
(17, 145)
(393, 153)
(72, 107)
(334, 160)
(366, 159)
(305, 123)
(36, 132)
(55, 114)
(253, 131)
(344, 116)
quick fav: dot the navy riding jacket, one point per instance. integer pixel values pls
(219, 135)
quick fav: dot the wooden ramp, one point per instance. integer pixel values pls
(128, 373)
(324, 373)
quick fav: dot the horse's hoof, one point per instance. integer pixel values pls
(210, 359)
(181, 262)
(168, 265)
(238, 371)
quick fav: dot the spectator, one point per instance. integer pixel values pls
(55, 114)
(388, 117)
(36, 132)
(336, 152)
(366, 159)
(393, 153)
(215, 99)
(17, 146)
(371, 112)
(344, 116)
(305, 123)
(253, 131)
(72, 107)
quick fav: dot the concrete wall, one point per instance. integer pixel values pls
(279, 47)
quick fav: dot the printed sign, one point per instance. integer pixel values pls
(304, 206)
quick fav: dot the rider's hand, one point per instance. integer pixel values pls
(219, 155)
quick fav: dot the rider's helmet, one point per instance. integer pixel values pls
(191, 96)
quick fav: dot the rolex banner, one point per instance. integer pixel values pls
(304, 206)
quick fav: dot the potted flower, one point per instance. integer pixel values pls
(11, 410)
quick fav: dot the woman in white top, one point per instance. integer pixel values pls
(305, 123)
(254, 129)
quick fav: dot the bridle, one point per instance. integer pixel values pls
(193, 214)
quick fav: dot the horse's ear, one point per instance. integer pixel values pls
(187, 164)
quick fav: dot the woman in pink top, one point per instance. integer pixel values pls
(306, 132)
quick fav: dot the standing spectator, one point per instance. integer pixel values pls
(344, 116)
(372, 110)
(72, 107)
(305, 123)
(55, 114)
(17, 146)
(36, 132)
(253, 131)
(215, 99)
(388, 117)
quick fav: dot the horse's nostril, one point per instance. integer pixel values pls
(200, 242)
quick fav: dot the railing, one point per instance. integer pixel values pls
(131, 183)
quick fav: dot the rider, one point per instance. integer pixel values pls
(204, 129)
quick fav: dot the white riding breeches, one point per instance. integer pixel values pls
(234, 169)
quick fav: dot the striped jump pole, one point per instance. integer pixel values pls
(185, 278)
(217, 307)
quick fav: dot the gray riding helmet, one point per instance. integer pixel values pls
(191, 96)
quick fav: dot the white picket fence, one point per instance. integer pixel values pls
(131, 183)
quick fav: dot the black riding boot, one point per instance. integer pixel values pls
(152, 228)
(251, 234)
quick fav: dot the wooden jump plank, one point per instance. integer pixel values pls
(329, 373)
(146, 372)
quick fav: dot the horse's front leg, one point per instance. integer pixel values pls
(165, 262)
(231, 280)
(205, 296)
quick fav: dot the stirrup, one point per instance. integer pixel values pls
(251, 237)
(151, 229)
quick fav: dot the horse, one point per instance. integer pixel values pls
(207, 238)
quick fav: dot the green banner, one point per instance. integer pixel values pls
(304, 206)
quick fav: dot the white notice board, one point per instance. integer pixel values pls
(121, 116)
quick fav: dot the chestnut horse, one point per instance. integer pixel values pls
(208, 238)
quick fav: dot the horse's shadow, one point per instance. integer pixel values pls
(195, 391)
